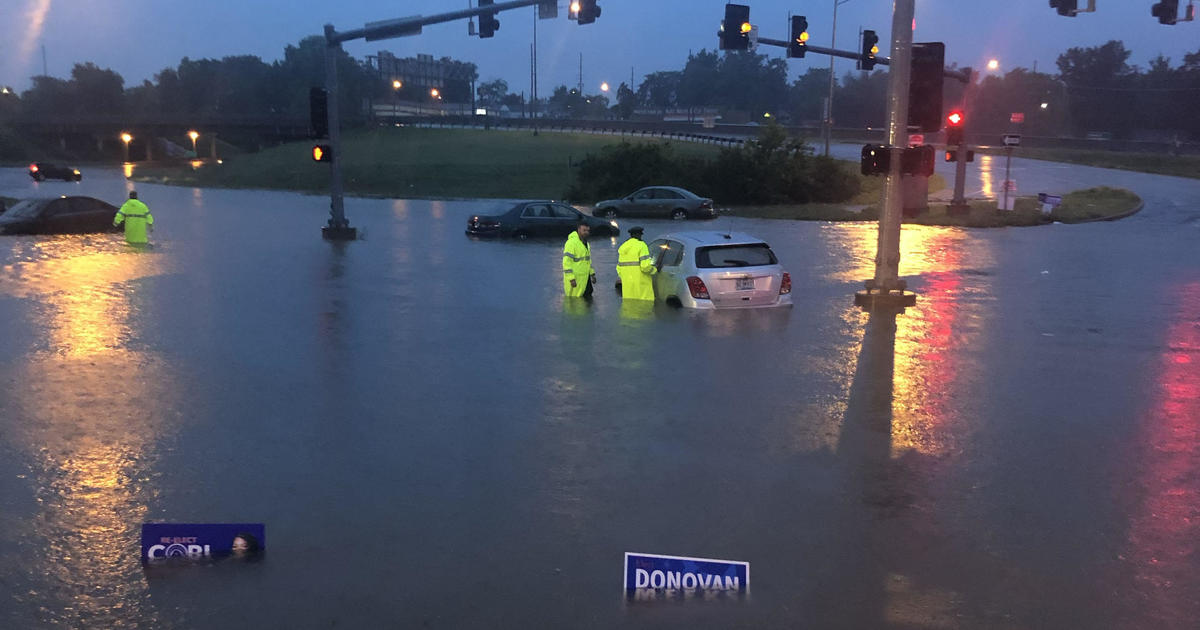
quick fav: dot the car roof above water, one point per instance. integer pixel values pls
(704, 238)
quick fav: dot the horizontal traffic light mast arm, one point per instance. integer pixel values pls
(412, 25)
(961, 75)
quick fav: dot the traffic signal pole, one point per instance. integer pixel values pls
(338, 227)
(886, 289)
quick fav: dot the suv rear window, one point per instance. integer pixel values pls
(735, 256)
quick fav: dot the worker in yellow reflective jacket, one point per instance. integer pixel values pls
(137, 219)
(635, 267)
(577, 264)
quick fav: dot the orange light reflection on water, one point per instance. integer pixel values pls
(929, 336)
(89, 410)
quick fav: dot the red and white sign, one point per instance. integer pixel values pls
(1017, 117)
(916, 139)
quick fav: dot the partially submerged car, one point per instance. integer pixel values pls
(41, 171)
(59, 215)
(662, 202)
(529, 219)
(718, 270)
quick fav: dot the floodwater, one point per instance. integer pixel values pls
(434, 439)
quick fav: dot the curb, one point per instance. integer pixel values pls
(1116, 217)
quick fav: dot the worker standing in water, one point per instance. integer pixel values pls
(578, 276)
(635, 267)
(137, 219)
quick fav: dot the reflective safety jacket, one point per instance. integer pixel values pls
(136, 217)
(636, 270)
(577, 264)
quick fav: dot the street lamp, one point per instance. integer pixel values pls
(604, 86)
(993, 65)
(434, 93)
(126, 138)
(396, 84)
(1045, 105)
(193, 134)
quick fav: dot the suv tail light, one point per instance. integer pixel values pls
(697, 288)
(785, 286)
(33, 168)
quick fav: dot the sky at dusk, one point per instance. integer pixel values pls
(137, 38)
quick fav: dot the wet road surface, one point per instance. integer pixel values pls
(434, 439)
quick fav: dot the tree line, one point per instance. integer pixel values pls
(1095, 89)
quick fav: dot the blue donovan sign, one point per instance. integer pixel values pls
(201, 541)
(682, 575)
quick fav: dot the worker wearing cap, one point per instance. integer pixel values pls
(635, 267)
(137, 219)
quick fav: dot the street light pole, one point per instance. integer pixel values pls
(829, 101)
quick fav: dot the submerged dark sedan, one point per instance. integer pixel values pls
(41, 171)
(59, 215)
(537, 219)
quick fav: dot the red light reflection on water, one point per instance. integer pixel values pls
(1164, 537)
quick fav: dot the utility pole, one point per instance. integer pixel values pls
(886, 289)
(581, 74)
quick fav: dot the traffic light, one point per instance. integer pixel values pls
(876, 159)
(735, 28)
(586, 11)
(318, 110)
(322, 153)
(1166, 11)
(870, 48)
(548, 9)
(488, 24)
(798, 44)
(918, 160)
(952, 156)
(1065, 7)
(954, 128)
(925, 86)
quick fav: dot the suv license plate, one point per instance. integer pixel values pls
(745, 284)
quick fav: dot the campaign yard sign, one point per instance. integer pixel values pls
(653, 576)
(201, 541)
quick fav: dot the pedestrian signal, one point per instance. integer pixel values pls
(322, 153)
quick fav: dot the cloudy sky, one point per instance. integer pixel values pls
(137, 38)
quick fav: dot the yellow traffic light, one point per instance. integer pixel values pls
(746, 27)
(803, 37)
(874, 50)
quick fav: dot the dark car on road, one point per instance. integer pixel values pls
(41, 171)
(663, 202)
(59, 215)
(531, 219)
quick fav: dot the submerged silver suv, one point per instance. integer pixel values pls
(710, 270)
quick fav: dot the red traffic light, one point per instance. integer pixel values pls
(955, 118)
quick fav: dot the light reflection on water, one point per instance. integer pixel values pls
(89, 413)
(1164, 535)
(933, 260)
(987, 174)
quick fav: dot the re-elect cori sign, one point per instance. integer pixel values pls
(652, 576)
